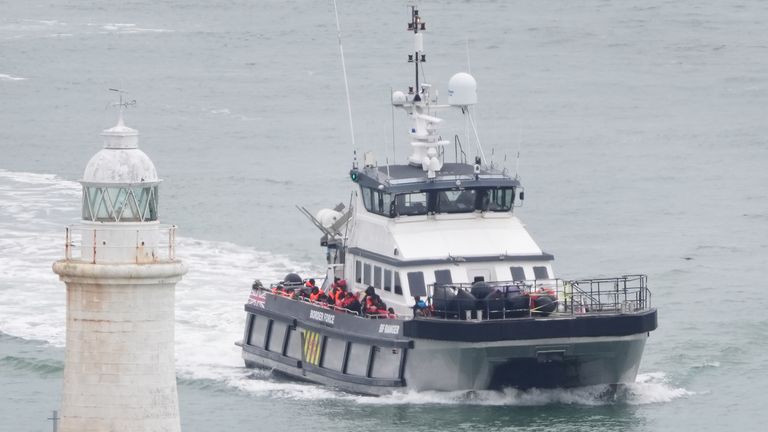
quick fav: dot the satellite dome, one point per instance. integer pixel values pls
(462, 90)
(120, 161)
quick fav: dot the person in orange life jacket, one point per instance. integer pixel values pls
(289, 292)
(315, 294)
(306, 290)
(375, 306)
(341, 291)
(351, 303)
(370, 291)
(323, 300)
(277, 289)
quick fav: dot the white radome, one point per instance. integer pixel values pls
(462, 90)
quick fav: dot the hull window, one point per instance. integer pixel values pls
(294, 344)
(258, 331)
(443, 277)
(386, 363)
(416, 284)
(277, 337)
(333, 357)
(359, 356)
(518, 273)
(398, 287)
(540, 272)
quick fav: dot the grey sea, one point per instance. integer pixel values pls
(643, 147)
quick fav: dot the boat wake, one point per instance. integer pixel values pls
(649, 388)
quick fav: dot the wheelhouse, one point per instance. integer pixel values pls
(402, 190)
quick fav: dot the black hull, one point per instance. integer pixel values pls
(371, 356)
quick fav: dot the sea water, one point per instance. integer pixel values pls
(642, 146)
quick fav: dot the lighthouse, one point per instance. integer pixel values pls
(120, 271)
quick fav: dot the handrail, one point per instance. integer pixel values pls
(539, 298)
(135, 243)
(324, 305)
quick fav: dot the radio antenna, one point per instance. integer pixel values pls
(344, 69)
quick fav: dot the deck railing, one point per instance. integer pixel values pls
(130, 244)
(539, 298)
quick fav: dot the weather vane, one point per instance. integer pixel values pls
(122, 104)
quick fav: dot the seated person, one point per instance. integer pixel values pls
(375, 307)
(315, 294)
(420, 307)
(351, 303)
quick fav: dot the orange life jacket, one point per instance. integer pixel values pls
(314, 297)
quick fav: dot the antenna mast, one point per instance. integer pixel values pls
(344, 69)
(418, 55)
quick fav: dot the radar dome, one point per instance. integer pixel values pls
(462, 90)
(398, 98)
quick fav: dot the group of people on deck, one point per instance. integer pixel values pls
(366, 303)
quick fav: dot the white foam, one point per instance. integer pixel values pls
(129, 28)
(6, 77)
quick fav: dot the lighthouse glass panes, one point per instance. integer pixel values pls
(120, 204)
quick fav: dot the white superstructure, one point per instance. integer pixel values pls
(121, 272)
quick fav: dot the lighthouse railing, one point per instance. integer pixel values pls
(127, 244)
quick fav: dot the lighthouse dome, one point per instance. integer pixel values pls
(120, 182)
(120, 161)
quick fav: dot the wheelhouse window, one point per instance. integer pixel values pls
(411, 204)
(377, 201)
(499, 200)
(456, 201)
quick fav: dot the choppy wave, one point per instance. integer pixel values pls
(44, 367)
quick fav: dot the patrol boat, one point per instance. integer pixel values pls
(446, 232)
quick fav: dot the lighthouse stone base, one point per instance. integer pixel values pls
(119, 374)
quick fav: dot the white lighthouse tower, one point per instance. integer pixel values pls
(121, 272)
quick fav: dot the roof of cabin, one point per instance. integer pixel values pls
(408, 178)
